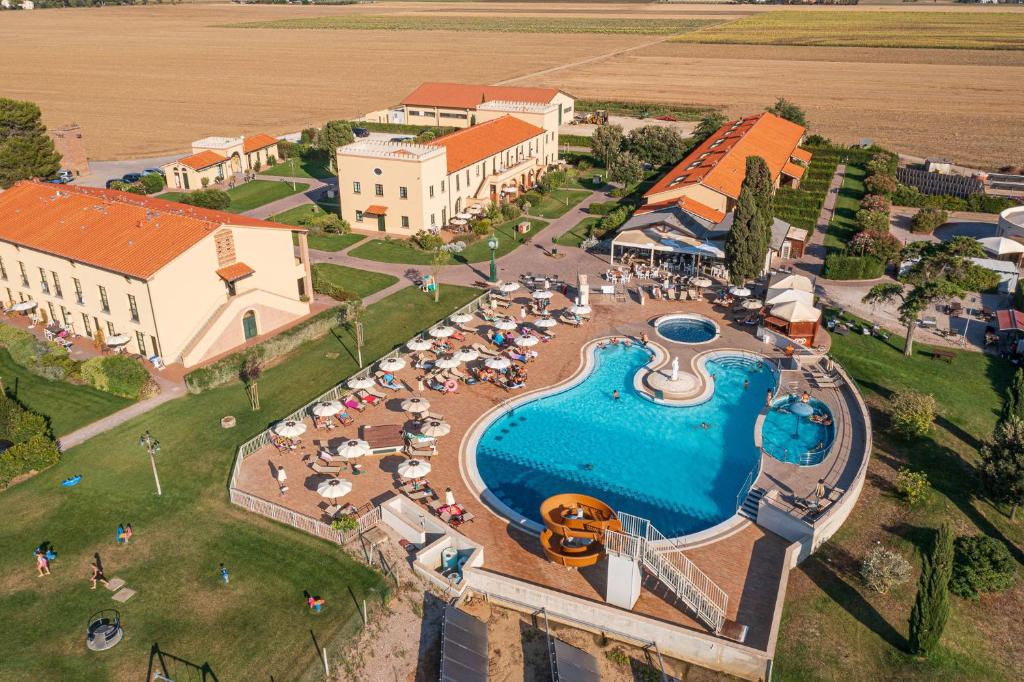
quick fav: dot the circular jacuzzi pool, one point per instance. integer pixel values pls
(686, 328)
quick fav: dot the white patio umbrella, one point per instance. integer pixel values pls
(333, 488)
(700, 282)
(465, 355)
(415, 405)
(418, 344)
(413, 468)
(526, 341)
(23, 306)
(580, 309)
(742, 292)
(351, 449)
(447, 363)
(505, 325)
(464, 215)
(449, 497)
(545, 322)
(442, 332)
(290, 429)
(476, 209)
(498, 363)
(118, 340)
(461, 318)
(752, 304)
(435, 429)
(542, 293)
(328, 408)
(391, 364)
(360, 383)
(457, 221)
(508, 287)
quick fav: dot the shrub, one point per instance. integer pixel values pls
(817, 141)
(205, 182)
(532, 197)
(873, 220)
(882, 163)
(981, 564)
(215, 199)
(912, 486)
(881, 184)
(117, 374)
(552, 180)
(325, 286)
(843, 266)
(321, 223)
(42, 359)
(583, 165)
(875, 202)
(152, 183)
(271, 161)
(482, 227)
(602, 207)
(33, 447)
(427, 241)
(884, 569)
(882, 245)
(510, 211)
(288, 149)
(912, 413)
(927, 219)
(615, 219)
(345, 523)
(130, 187)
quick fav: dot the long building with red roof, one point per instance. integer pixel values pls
(154, 277)
(216, 159)
(456, 105)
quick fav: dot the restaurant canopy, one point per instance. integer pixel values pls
(795, 311)
(661, 239)
(784, 280)
(777, 296)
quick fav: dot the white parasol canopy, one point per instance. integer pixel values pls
(328, 408)
(333, 488)
(118, 340)
(415, 405)
(1001, 246)
(413, 468)
(776, 296)
(791, 281)
(795, 311)
(360, 383)
(461, 318)
(418, 344)
(351, 449)
(526, 341)
(505, 325)
(751, 304)
(542, 293)
(435, 429)
(475, 209)
(700, 282)
(446, 363)
(449, 497)
(465, 355)
(580, 309)
(545, 322)
(441, 331)
(457, 221)
(464, 215)
(23, 306)
(290, 429)
(498, 363)
(391, 364)
(742, 292)
(508, 287)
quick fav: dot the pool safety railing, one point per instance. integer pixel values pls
(663, 558)
(741, 496)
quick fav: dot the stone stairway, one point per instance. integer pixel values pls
(748, 509)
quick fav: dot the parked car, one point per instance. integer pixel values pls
(403, 138)
(64, 176)
(111, 181)
(360, 132)
(131, 177)
(153, 171)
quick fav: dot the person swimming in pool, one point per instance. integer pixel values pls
(705, 426)
(746, 384)
(615, 395)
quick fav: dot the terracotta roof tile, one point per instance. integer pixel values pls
(466, 96)
(376, 209)
(125, 233)
(802, 155)
(701, 210)
(793, 170)
(258, 141)
(720, 161)
(203, 159)
(469, 145)
(235, 272)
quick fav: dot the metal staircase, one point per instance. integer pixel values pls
(641, 541)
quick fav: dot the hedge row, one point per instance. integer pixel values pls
(978, 203)
(575, 140)
(401, 128)
(32, 445)
(42, 359)
(226, 369)
(326, 287)
(843, 266)
(642, 109)
(117, 374)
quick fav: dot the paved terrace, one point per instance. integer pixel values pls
(748, 563)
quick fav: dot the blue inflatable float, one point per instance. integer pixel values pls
(71, 482)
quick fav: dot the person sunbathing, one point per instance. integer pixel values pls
(388, 381)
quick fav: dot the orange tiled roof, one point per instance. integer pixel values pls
(466, 96)
(258, 141)
(720, 161)
(376, 209)
(125, 233)
(203, 159)
(235, 272)
(793, 170)
(701, 210)
(802, 155)
(469, 145)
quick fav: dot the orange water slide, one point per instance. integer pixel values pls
(575, 526)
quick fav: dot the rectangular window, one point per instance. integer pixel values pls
(458, 185)
(442, 187)
(155, 345)
(403, 192)
(467, 177)
(88, 327)
(431, 196)
(58, 292)
(433, 221)
(78, 291)
(65, 315)
(133, 308)
(3, 270)
(104, 303)
(356, 187)
(110, 329)
(405, 221)
(24, 275)
(359, 216)
(53, 311)
(43, 284)
(378, 190)
(140, 339)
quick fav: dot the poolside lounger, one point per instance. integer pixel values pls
(435, 505)
(467, 517)
(377, 394)
(454, 371)
(352, 402)
(321, 469)
(418, 450)
(368, 398)
(419, 495)
(483, 350)
(432, 416)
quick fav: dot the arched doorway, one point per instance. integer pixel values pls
(236, 163)
(249, 324)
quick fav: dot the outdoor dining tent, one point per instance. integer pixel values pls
(463, 647)
(777, 296)
(796, 319)
(1003, 248)
(783, 280)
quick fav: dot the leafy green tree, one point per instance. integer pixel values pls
(927, 219)
(872, 219)
(606, 143)
(626, 168)
(981, 564)
(882, 245)
(783, 108)
(931, 608)
(1013, 401)
(152, 182)
(1002, 461)
(216, 199)
(881, 183)
(943, 271)
(709, 124)
(746, 246)
(657, 145)
(334, 134)
(912, 413)
(25, 149)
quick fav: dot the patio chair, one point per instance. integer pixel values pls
(352, 402)
(332, 510)
(483, 350)
(435, 505)
(376, 394)
(327, 470)
(368, 398)
(432, 416)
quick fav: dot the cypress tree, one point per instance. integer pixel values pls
(25, 149)
(931, 608)
(746, 247)
(1013, 403)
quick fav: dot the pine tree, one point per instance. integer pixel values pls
(931, 608)
(1013, 403)
(25, 150)
(1002, 461)
(747, 245)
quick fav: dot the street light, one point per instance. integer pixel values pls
(492, 244)
(152, 446)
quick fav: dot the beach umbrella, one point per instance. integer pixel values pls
(464, 215)
(328, 408)
(700, 282)
(418, 344)
(476, 209)
(23, 306)
(742, 292)
(441, 332)
(508, 287)
(457, 221)
(413, 468)
(542, 293)
(290, 429)
(580, 309)
(415, 405)
(391, 364)
(435, 429)
(498, 363)
(352, 449)
(449, 497)
(751, 304)
(118, 340)
(465, 355)
(545, 322)
(333, 488)
(526, 341)
(801, 410)
(461, 318)
(446, 363)
(360, 383)
(505, 325)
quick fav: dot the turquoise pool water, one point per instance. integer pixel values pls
(795, 439)
(688, 329)
(639, 457)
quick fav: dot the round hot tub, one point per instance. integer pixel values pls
(688, 328)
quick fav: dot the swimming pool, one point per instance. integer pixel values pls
(686, 328)
(796, 439)
(640, 457)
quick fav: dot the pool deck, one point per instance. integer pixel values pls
(748, 562)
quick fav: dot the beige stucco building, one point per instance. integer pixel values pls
(214, 159)
(458, 105)
(403, 187)
(180, 282)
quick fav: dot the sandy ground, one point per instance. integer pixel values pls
(685, 128)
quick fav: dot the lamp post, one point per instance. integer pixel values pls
(152, 446)
(492, 244)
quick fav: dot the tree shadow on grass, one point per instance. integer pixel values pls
(176, 668)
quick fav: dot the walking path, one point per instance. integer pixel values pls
(317, 188)
(814, 255)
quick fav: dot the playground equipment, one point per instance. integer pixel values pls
(104, 630)
(575, 529)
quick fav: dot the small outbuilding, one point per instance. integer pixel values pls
(795, 319)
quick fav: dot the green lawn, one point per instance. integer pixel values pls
(252, 194)
(319, 242)
(585, 179)
(69, 406)
(257, 627)
(399, 251)
(826, 600)
(577, 234)
(557, 203)
(300, 168)
(844, 224)
(362, 283)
